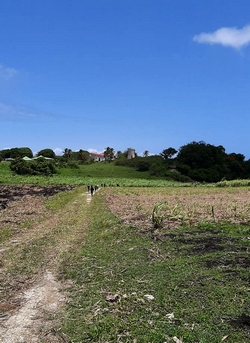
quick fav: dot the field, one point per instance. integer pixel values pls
(130, 264)
(173, 282)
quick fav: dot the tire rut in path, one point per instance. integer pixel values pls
(28, 323)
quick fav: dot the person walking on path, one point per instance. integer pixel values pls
(92, 190)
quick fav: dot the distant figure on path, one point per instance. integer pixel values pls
(88, 188)
(92, 190)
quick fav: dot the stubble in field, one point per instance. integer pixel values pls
(180, 206)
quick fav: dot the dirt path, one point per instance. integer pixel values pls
(31, 301)
(34, 322)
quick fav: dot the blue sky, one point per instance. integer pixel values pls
(145, 74)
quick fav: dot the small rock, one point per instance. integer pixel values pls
(112, 298)
(177, 340)
(170, 316)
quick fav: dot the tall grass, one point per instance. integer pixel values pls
(233, 183)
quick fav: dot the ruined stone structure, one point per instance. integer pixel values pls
(131, 153)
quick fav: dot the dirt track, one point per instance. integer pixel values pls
(31, 295)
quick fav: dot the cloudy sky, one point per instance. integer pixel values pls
(145, 74)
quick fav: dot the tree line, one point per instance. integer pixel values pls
(195, 161)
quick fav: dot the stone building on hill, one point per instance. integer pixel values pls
(131, 153)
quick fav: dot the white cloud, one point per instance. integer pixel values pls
(58, 151)
(95, 151)
(226, 36)
(7, 73)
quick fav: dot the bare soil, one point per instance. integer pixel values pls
(35, 319)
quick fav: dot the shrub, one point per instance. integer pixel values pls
(173, 175)
(35, 167)
(142, 166)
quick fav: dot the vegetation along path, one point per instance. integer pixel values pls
(36, 230)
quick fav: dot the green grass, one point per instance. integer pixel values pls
(200, 294)
(106, 170)
(96, 174)
(5, 234)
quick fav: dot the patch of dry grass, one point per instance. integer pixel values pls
(182, 206)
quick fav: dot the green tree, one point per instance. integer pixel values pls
(119, 154)
(67, 153)
(142, 166)
(202, 162)
(109, 154)
(83, 156)
(46, 153)
(236, 165)
(16, 152)
(25, 152)
(168, 153)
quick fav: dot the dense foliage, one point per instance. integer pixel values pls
(209, 163)
(69, 156)
(46, 153)
(109, 154)
(15, 153)
(155, 165)
(39, 166)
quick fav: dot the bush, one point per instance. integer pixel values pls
(173, 175)
(142, 166)
(125, 162)
(35, 167)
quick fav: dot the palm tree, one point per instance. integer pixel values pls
(109, 154)
(83, 155)
(67, 153)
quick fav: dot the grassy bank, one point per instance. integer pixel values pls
(191, 285)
